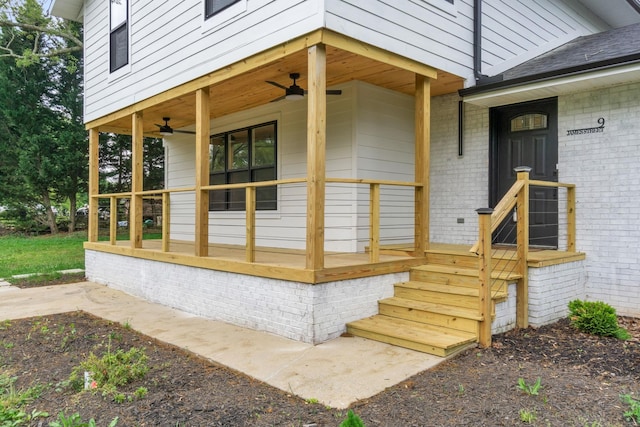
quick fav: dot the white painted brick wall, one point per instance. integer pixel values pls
(604, 167)
(299, 311)
(551, 288)
(505, 319)
(459, 185)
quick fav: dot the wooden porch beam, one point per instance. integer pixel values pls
(202, 172)
(357, 47)
(259, 59)
(316, 155)
(135, 205)
(324, 36)
(422, 162)
(94, 179)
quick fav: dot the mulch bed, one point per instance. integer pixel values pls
(582, 378)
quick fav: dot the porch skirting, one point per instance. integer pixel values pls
(299, 311)
(550, 290)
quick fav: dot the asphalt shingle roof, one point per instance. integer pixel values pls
(595, 49)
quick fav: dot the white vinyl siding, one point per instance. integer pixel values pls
(170, 45)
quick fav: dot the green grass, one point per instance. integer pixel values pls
(41, 254)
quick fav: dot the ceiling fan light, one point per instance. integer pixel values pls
(166, 129)
(294, 93)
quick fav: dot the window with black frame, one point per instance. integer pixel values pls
(243, 155)
(118, 34)
(211, 7)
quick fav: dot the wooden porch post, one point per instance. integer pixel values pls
(94, 189)
(202, 172)
(422, 162)
(316, 155)
(522, 206)
(135, 205)
(484, 260)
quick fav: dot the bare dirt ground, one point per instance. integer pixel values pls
(581, 377)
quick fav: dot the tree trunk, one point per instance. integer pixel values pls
(51, 217)
(72, 212)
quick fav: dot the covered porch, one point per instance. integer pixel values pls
(305, 255)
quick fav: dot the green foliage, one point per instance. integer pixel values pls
(75, 420)
(44, 145)
(352, 420)
(633, 414)
(12, 401)
(597, 318)
(527, 416)
(112, 370)
(530, 389)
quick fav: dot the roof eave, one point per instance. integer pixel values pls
(511, 93)
(550, 75)
(68, 9)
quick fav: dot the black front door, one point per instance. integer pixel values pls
(527, 135)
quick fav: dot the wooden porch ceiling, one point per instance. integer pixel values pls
(249, 89)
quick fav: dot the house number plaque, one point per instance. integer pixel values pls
(583, 131)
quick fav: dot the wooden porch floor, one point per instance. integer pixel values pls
(537, 257)
(289, 264)
(280, 263)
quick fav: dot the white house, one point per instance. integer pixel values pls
(325, 160)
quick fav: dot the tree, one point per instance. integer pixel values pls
(26, 16)
(115, 163)
(44, 143)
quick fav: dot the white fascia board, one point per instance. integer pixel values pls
(557, 86)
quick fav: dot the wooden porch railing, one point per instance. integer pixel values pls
(374, 204)
(517, 197)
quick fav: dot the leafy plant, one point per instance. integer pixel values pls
(12, 400)
(530, 389)
(112, 370)
(633, 414)
(75, 420)
(527, 416)
(352, 420)
(597, 318)
(140, 392)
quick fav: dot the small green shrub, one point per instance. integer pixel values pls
(597, 318)
(112, 370)
(527, 416)
(352, 420)
(633, 414)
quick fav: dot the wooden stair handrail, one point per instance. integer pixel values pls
(502, 209)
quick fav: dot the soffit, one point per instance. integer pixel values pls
(249, 89)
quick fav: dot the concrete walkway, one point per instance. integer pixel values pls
(336, 373)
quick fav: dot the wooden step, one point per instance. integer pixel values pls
(459, 255)
(460, 319)
(458, 276)
(439, 293)
(416, 336)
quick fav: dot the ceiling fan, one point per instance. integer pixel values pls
(294, 91)
(165, 129)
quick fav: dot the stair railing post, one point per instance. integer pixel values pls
(522, 208)
(484, 265)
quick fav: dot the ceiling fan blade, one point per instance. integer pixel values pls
(276, 84)
(190, 132)
(334, 92)
(280, 98)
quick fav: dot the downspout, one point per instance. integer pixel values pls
(477, 40)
